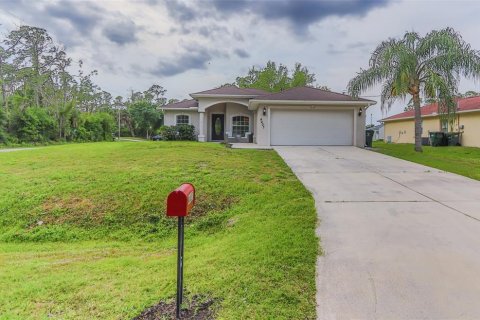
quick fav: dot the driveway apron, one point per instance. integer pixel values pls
(400, 240)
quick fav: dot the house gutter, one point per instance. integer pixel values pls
(244, 96)
(427, 116)
(254, 104)
(181, 109)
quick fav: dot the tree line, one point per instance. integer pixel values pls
(46, 96)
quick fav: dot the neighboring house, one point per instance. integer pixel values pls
(378, 132)
(298, 116)
(400, 128)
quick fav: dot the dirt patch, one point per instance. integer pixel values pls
(205, 204)
(198, 308)
(73, 203)
(71, 210)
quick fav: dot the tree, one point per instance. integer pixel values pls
(34, 54)
(470, 93)
(146, 116)
(155, 94)
(275, 79)
(173, 100)
(428, 67)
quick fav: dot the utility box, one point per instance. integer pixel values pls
(181, 201)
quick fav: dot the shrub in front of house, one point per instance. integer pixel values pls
(186, 132)
(181, 132)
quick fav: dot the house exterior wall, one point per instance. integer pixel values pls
(403, 131)
(429, 125)
(471, 130)
(170, 117)
(205, 103)
(261, 124)
(360, 127)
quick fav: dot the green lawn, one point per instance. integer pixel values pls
(461, 160)
(83, 234)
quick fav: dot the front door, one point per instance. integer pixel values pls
(218, 127)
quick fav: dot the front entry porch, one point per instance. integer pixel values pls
(228, 122)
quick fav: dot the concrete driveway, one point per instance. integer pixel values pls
(400, 240)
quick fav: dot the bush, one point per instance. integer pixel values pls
(168, 133)
(186, 132)
(182, 132)
(97, 126)
(34, 125)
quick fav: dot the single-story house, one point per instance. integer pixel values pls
(400, 128)
(378, 132)
(298, 116)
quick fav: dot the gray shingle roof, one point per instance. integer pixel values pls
(182, 104)
(233, 90)
(309, 94)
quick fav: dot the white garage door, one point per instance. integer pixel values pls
(311, 127)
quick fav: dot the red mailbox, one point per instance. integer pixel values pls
(179, 204)
(181, 201)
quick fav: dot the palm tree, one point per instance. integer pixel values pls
(428, 67)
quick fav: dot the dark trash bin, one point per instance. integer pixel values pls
(453, 138)
(438, 139)
(369, 138)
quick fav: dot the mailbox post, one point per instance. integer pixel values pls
(179, 203)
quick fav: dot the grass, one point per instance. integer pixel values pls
(464, 161)
(83, 234)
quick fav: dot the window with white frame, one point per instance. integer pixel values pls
(240, 125)
(182, 119)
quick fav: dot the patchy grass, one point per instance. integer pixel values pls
(83, 232)
(460, 160)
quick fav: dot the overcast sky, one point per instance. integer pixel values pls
(189, 46)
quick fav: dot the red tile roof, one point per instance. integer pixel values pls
(182, 104)
(464, 104)
(232, 90)
(309, 94)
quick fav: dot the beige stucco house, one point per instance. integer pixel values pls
(400, 128)
(299, 116)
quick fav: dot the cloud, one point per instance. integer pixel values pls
(193, 58)
(121, 32)
(241, 53)
(358, 44)
(212, 30)
(179, 11)
(238, 36)
(83, 16)
(300, 13)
